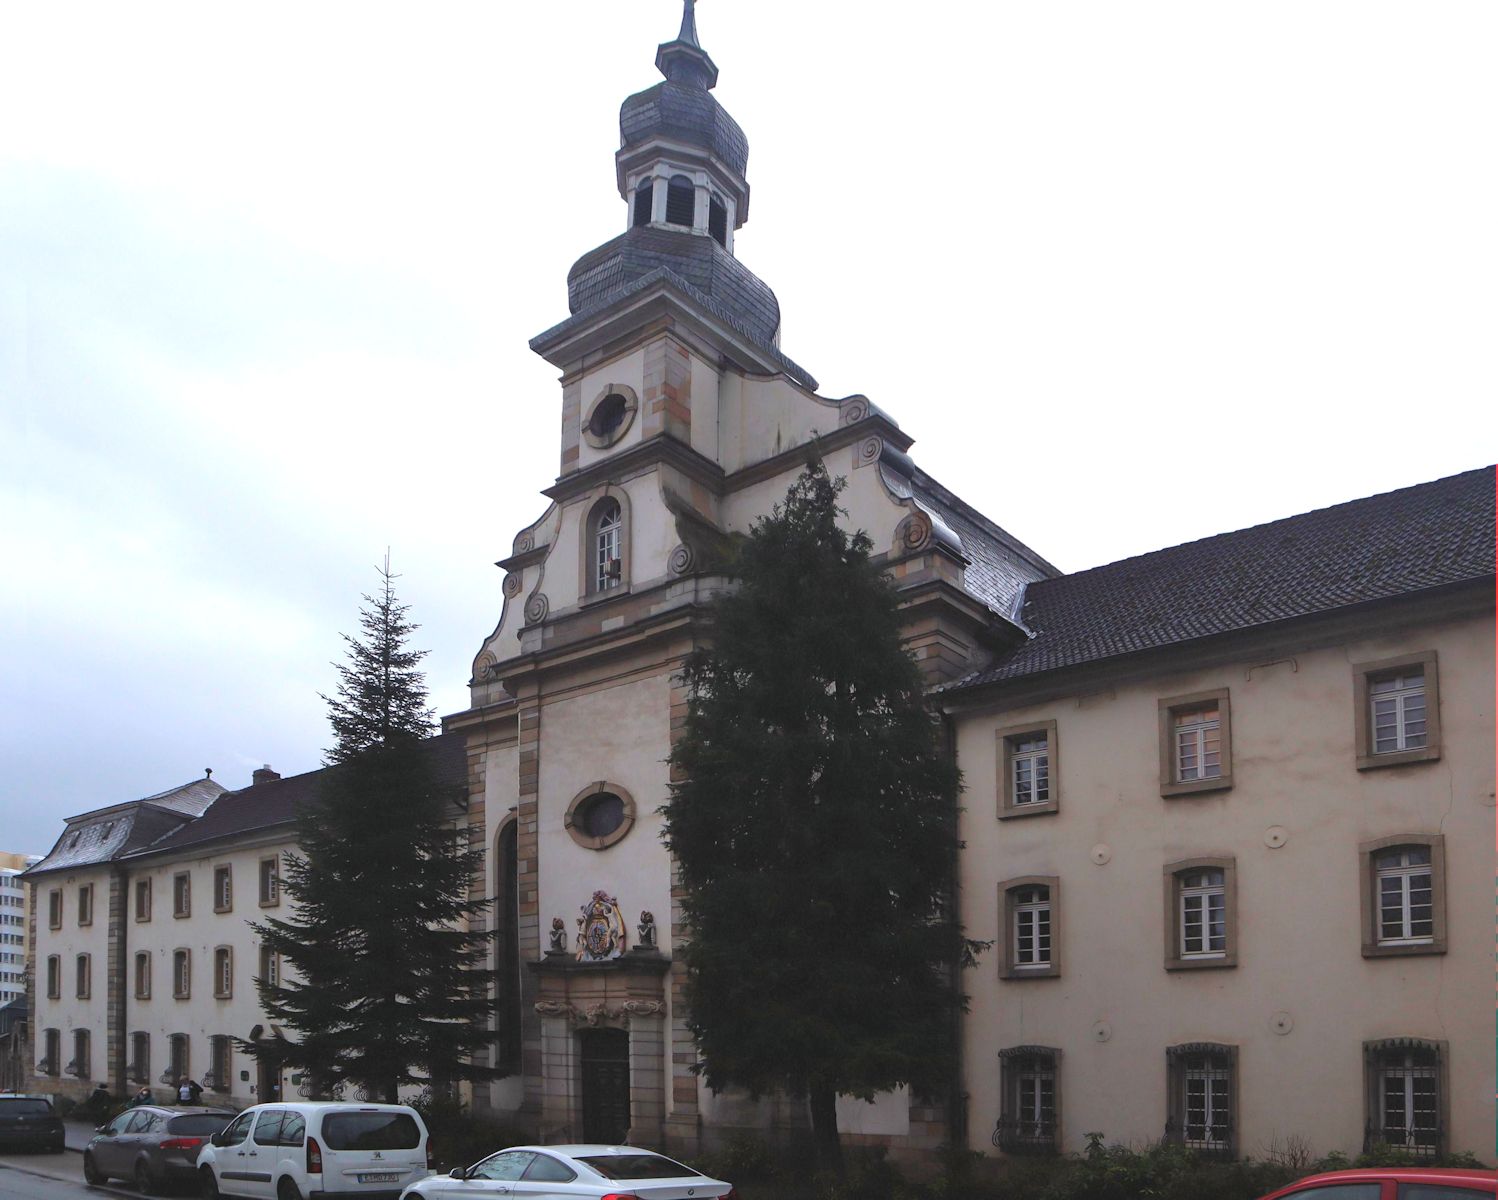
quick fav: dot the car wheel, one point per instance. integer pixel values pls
(287, 1190)
(90, 1170)
(144, 1184)
(209, 1185)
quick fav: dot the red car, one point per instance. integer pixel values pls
(1393, 1183)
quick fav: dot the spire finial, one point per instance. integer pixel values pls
(684, 61)
(688, 32)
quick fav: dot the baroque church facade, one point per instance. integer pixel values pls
(1271, 820)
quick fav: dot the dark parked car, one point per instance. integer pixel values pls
(151, 1146)
(30, 1122)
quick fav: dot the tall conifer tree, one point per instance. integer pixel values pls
(814, 828)
(382, 983)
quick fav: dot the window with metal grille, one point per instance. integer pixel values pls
(608, 546)
(1203, 914)
(1198, 744)
(644, 198)
(1032, 928)
(1028, 1100)
(1030, 769)
(1406, 895)
(82, 1068)
(1397, 709)
(681, 202)
(1203, 1095)
(717, 221)
(1405, 1096)
(177, 1052)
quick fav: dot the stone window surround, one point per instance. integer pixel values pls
(142, 977)
(143, 899)
(1006, 740)
(54, 909)
(1007, 891)
(85, 904)
(592, 502)
(1365, 672)
(631, 408)
(1368, 893)
(54, 977)
(1175, 1092)
(84, 975)
(1169, 707)
(1174, 960)
(223, 874)
(594, 789)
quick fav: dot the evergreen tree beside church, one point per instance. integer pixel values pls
(382, 984)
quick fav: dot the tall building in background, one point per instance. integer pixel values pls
(13, 910)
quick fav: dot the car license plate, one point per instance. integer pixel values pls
(381, 1177)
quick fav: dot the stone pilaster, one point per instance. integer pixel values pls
(684, 1118)
(528, 909)
(116, 1041)
(667, 399)
(572, 424)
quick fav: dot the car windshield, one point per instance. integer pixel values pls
(371, 1131)
(637, 1166)
(202, 1124)
(24, 1108)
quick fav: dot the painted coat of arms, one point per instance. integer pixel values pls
(601, 932)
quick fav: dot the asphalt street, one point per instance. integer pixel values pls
(50, 1177)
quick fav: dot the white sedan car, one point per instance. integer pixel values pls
(572, 1173)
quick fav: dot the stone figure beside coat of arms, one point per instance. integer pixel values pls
(601, 932)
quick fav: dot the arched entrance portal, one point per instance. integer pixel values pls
(604, 1062)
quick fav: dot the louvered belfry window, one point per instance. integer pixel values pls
(681, 202)
(644, 198)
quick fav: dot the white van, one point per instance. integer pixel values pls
(297, 1151)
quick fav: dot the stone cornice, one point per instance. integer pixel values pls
(661, 448)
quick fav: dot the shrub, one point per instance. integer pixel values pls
(459, 1137)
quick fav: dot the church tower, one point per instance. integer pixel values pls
(681, 422)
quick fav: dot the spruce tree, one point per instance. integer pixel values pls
(815, 828)
(383, 984)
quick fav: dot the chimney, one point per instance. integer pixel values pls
(263, 775)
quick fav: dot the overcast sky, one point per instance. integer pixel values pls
(1130, 273)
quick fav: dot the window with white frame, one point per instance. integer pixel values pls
(1030, 770)
(1203, 1097)
(223, 972)
(182, 894)
(1406, 895)
(143, 899)
(1029, 915)
(1203, 914)
(181, 974)
(86, 904)
(1029, 1100)
(1198, 744)
(1032, 928)
(1397, 710)
(608, 545)
(1406, 1095)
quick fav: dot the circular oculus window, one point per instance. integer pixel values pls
(610, 416)
(600, 815)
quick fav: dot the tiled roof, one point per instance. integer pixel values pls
(687, 114)
(1381, 547)
(108, 833)
(264, 806)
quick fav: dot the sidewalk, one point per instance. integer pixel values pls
(77, 1133)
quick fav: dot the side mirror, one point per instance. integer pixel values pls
(458, 1173)
(217, 1139)
(101, 1128)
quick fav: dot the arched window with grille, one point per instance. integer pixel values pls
(1406, 1086)
(1203, 1100)
(1029, 1100)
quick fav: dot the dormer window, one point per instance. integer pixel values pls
(681, 202)
(644, 201)
(717, 221)
(608, 545)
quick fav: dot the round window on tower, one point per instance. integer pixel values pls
(600, 815)
(610, 415)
